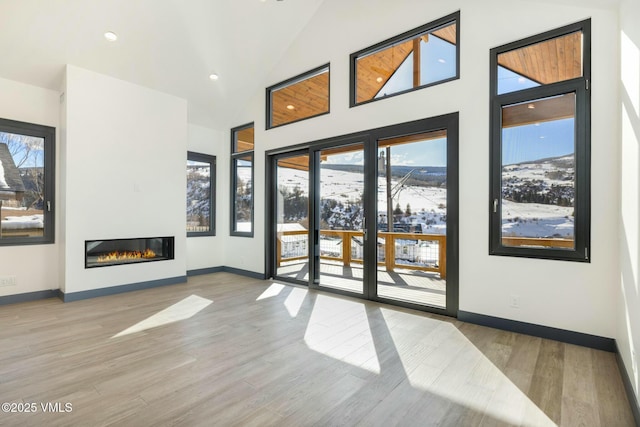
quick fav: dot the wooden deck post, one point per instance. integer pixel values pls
(278, 251)
(346, 248)
(389, 251)
(442, 257)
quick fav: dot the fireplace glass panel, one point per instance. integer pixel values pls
(102, 253)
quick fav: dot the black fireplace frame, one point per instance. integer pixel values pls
(168, 248)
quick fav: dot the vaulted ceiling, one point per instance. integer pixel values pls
(170, 45)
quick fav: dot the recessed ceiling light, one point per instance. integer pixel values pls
(213, 76)
(379, 79)
(521, 80)
(111, 36)
(290, 107)
(441, 60)
(531, 106)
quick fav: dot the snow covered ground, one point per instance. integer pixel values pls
(550, 179)
(428, 204)
(348, 187)
(536, 220)
(22, 222)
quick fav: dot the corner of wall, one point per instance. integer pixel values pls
(628, 334)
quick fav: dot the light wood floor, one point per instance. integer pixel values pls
(418, 287)
(227, 350)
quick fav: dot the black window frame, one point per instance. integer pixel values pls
(582, 201)
(48, 134)
(353, 58)
(238, 155)
(211, 160)
(291, 81)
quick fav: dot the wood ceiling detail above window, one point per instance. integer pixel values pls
(300, 98)
(375, 70)
(551, 61)
(244, 140)
(539, 111)
(447, 33)
(425, 56)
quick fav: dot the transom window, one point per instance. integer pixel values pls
(421, 57)
(299, 98)
(540, 154)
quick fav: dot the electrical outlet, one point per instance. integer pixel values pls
(514, 301)
(7, 281)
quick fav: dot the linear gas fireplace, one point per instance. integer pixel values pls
(102, 253)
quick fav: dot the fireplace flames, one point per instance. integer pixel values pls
(125, 255)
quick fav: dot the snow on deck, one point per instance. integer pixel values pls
(23, 222)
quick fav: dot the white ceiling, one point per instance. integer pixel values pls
(168, 45)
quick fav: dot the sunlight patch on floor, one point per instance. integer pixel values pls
(326, 332)
(272, 291)
(294, 301)
(181, 310)
(439, 359)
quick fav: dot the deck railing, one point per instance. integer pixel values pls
(386, 251)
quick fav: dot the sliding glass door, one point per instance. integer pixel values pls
(292, 217)
(340, 218)
(412, 218)
(373, 215)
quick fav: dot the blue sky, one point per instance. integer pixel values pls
(19, 144)
(540, 141)
(432, 152)
(425, 153)
(536, 141)
(519, 144)
(508, 81)
(437, 62)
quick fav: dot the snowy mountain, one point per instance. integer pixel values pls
(538, 198)
(342, 191)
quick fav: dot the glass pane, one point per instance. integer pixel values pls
(412, 192)
(302, 99)
(538, 173)
(425, 59)
(292, 217)
(243, 201)
(198, 196)
(550, 61)
(243, 140)
(341, 217)
(21, 186)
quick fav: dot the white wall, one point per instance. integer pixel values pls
(574, 296)
(628, 336)
(35, 266)
(125, 156)
(207, 252)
